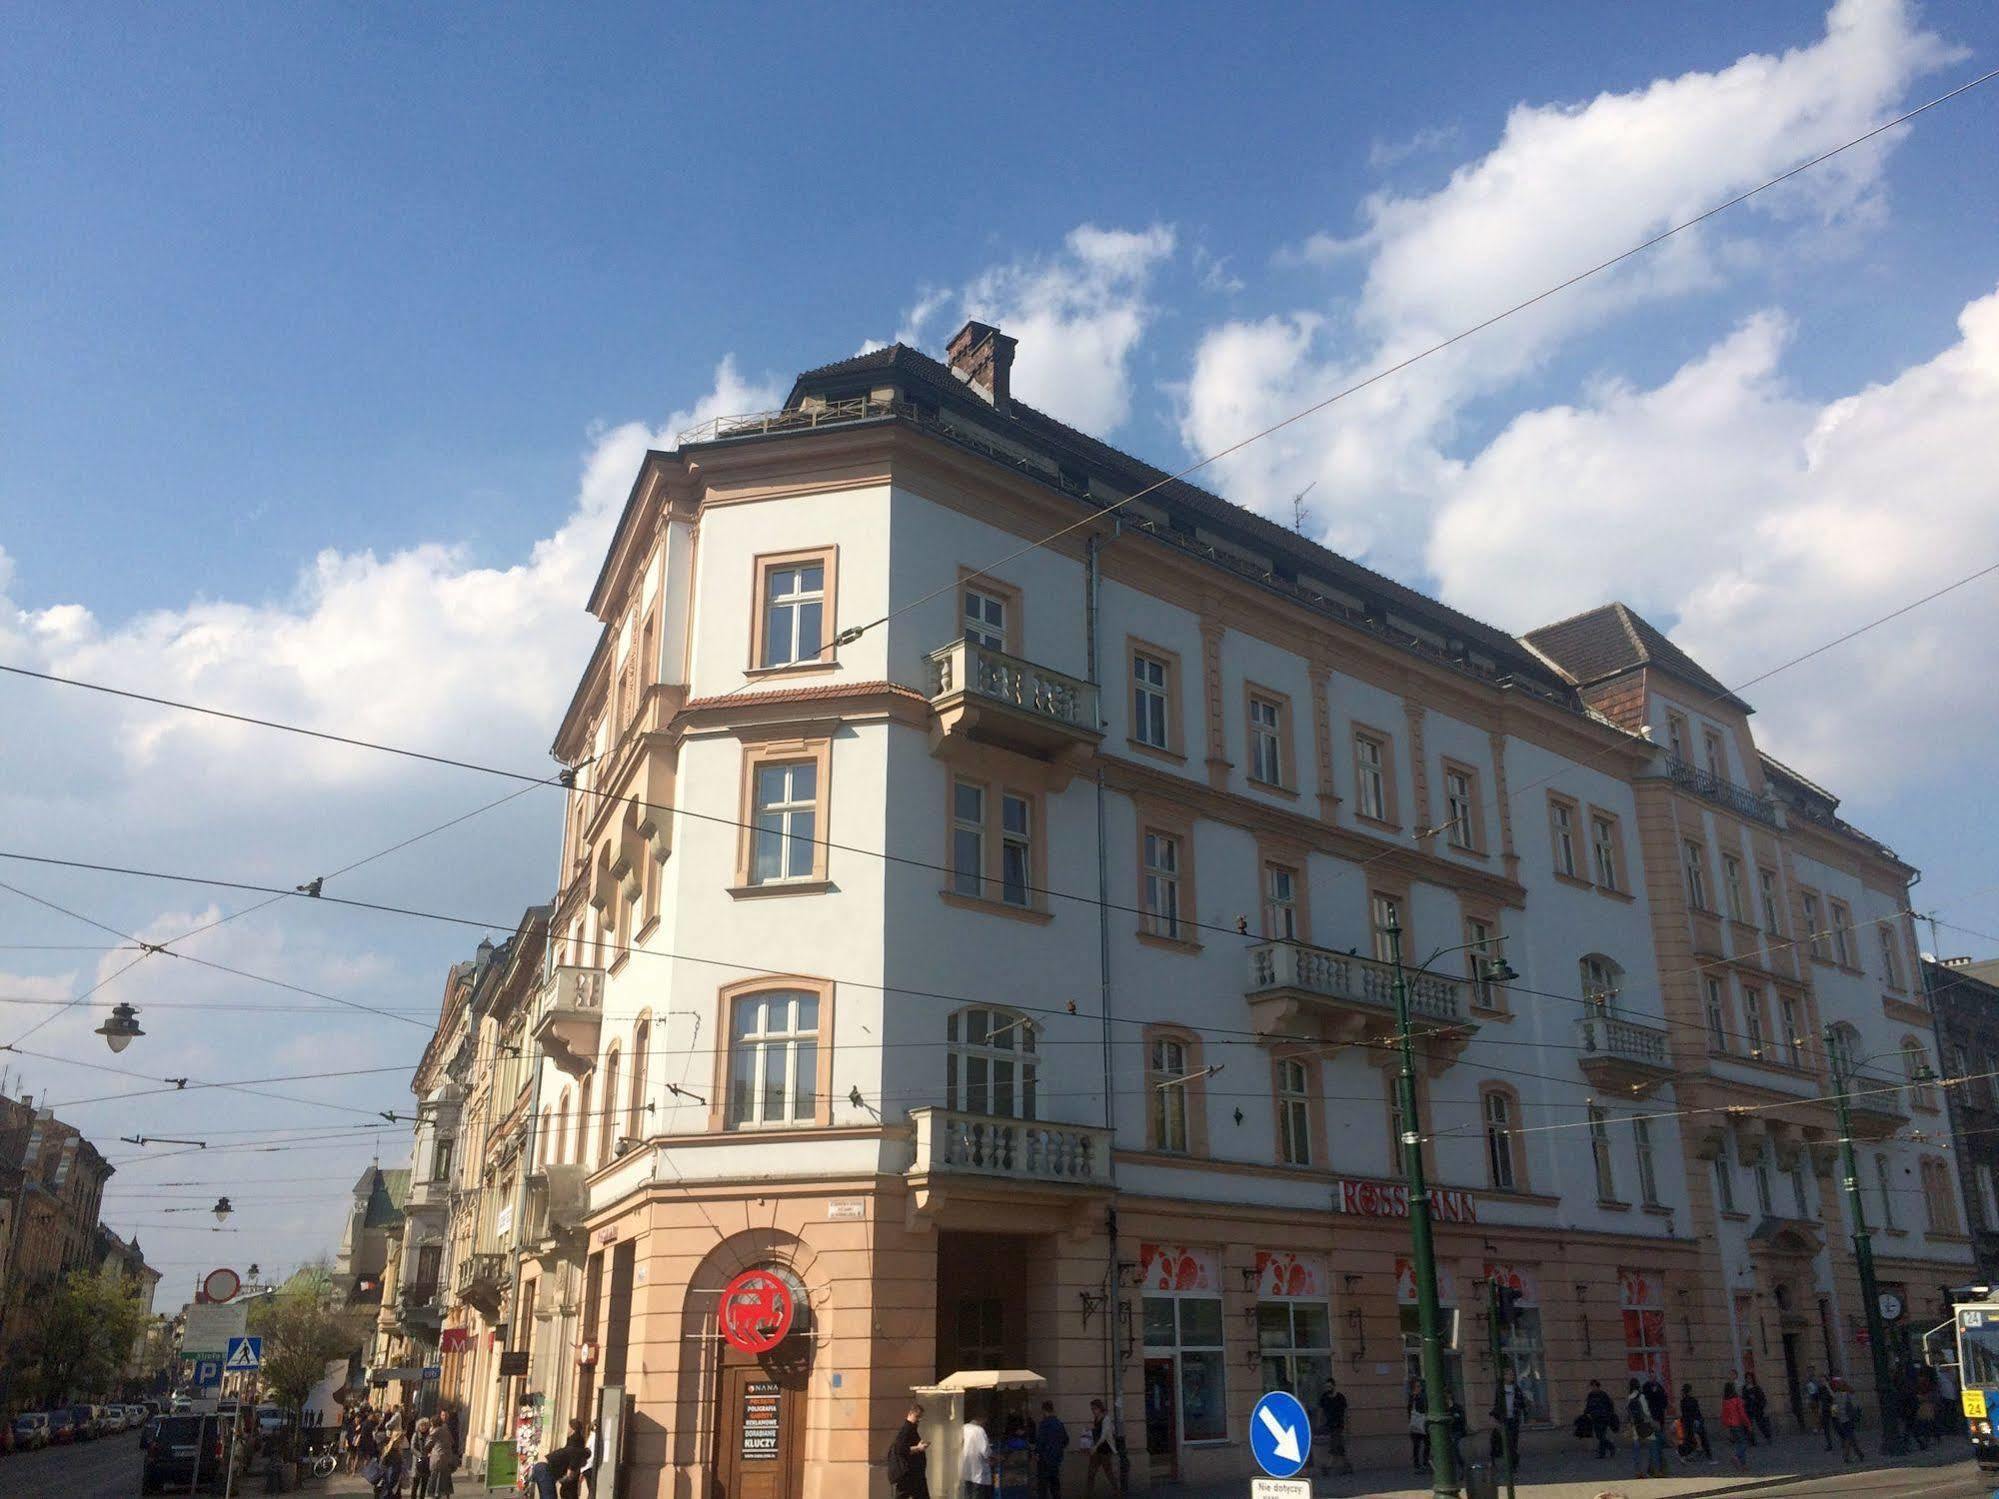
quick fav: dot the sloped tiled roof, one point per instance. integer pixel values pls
(386, 1197)
(1613, 639)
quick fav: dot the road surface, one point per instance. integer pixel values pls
(107, 1468)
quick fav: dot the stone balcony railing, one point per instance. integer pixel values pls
(1877, 1103)
(1032, 1152)
(1723, 793)
(1618, 1053)
(1350, 979)
(986, 694)
(482, 1278)
(570, 1017)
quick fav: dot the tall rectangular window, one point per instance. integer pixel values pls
(1162, 884)
(1294, 1112)
(1814, 936)
(1562, 826)
(968, 838)
(1766, 886)
(1499, 1141)
(985, 618)
(1461, 809)
(1280, 902)
(1599, 1151)
(1891, 970)
(1717, 759)
(1724, 1178)
(1887, 1190)
(1800, 1202)
(1266, 738)
(1478, 957)
(1752, 1020)
(1016, 849)
(1370, 777)
(1717, 1015)
(1731, 887)
(1789, 1039)
(1762, 1174)
(1151, 700)
(1384, 913)
(1676, 737)
(794, 605)
(1648, 1172)
(774, 1060)
(1603, 849)
(1169, 1095)
(1696, 862)
(1842, 947)
(787, 796)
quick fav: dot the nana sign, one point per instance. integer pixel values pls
(1391, 1200)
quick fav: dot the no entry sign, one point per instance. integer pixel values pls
(756, 1311)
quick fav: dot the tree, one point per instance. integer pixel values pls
(303, 1332)
(83, 1336)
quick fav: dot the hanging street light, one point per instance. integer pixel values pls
(121, 1027)
(222, 1209)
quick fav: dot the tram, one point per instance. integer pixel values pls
(1976, 1312)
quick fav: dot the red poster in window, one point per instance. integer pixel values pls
(756, 1311)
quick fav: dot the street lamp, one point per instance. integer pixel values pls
(1894, 1441)
(121, 1026)
(1422, 1251)
(222, 1209)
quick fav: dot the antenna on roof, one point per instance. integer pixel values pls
(1298, 507)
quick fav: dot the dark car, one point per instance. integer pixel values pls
(83, 1421)
(188, 1449)
(62, 1428)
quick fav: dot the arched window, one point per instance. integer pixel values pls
(1294, 1112)
(991, 1066)
(1601, 979)
(608, 1133)
(1170, 1064)
(557, 1151)
(582, 1144)
(1501, 1110)
(541, 1144)
(1916, 1068)
(641, 1051)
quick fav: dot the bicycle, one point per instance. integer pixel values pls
(322, 1462)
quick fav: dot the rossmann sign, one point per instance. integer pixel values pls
(1391, 1200)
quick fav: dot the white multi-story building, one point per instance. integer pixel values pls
(976, 905)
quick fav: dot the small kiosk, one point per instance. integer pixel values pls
(990, 1395)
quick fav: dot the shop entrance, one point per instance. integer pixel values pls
(759, 1431)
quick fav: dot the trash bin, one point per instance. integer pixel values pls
(1481, 1481)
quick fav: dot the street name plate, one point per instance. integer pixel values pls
(1280, 1488)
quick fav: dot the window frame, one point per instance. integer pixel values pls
(1771, 897)
(1191, 1089)
(1887, 1192)
(1025, 1059)
(1813, 936)
(1841, 917)
(1693, 859)
(1891, 962)
(1608, 851)
(1168, 690)
(1280, 736)
(757, 756)
(1732, 893)
(1464, 813)
(1562, 834)
(1601, 1160)
(1297, 907)
(763, 565)
(820, 1037)
(1006, 595)
(641, 1047)
(1503, 1143)
(1300, 1115)
(1648, 1165)
(1379, 773)
(1715, 1006)
(1382, 901)
(996, 840)
(1481, 927)
(1158, 821)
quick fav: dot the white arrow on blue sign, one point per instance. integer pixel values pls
(1280, 1434)
(246, 1356)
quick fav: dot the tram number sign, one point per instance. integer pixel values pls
(756, 1311)
(760, 1418)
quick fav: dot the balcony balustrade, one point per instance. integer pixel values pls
(1030, 1152)
(1877, 1103)
(570, 1018)
(1295, 989)
(1622, 1055)
(985, 694)
(482, 1279)
(1723, 793)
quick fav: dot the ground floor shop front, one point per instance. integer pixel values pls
(1184, 1312)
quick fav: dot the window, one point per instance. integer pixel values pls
(1499, 1138)
(1842, 947)
(1294, 1342)
(1717, 758)
(584, 1114)
(1385, 916)
(440, 1159)
(1766, 884)
(1523, 1349)
(1461, 809)
(1696, 861)
(1916, 1069)
(1793, 1043)
(1762, 1175)
(1641, 1303)
(1183, 1338)
(1479, 956)
(1676, 737)
(1294, 1112)
(794, 612)
(981, 1332)
(429, 1260)
(607, 1138)
(968, 838)
(1988, 1198)
(1280, 903)
(545, 1140)
(1151, 700)
(1370, 756)
(1562, 827)
(1891, 971)
(1752, 1020)
(1800, 1201)
(1724, 1178)
(1599, 1151)
(972, 874)
(1842, 1046)
(1600, 980)
(1939, 1203)
(1169, 1095)
(1266, 728)
(1814, 938)
(774, 1060)
(985, 618)
(1162, 885)
(559, 1148)
(1887, 1192)
(1398, 1125)
(1648, 1173)
(1016, 848)
(784, 843)
(1604, 852)
(991, 1067)
(641, 1044)
(1731, 887)
(1717, 1015)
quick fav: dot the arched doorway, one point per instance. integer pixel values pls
(759, 1416)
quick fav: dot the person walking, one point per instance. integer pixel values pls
(1419, 1427)
(975, 1462)
(443, 1459)
(1601, 1417)
(1648, 1456)
(1506, 1413)
(908, 1472)
(1845, 1414)
(420, 1461)
(1013, 1462)
(367, 1443)
(1333, 1428)
(1051, 1446)
(1106, 1446)
(1735, 1423)
(1757, 1404)
(1818, 1406)
(1694, 1425)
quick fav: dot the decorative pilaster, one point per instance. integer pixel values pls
(1219, 764)
(1419, 771)
(1322, 737)
(1509, 858)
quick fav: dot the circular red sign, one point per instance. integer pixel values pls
(221, 1285)
(756, 1311)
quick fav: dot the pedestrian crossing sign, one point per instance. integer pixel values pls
(246, 1356)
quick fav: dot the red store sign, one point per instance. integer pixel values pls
(1391, 1200)
(756, 1311)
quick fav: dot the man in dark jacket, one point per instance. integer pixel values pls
(1601, 1415)
(1051, 1445)
(1693, 1426)
(1757, 1405)
(1333, 1427)
(908, 1471)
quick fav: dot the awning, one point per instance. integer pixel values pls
(988, 1379)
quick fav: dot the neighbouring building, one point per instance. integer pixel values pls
(977, 908)
(53, 1182)
(1965, 997)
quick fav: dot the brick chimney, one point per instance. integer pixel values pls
(982, 356)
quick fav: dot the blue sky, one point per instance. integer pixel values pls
(321, 321)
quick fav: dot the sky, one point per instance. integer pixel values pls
(333, 336)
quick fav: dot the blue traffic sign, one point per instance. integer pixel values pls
(207, 1373)
(1280, 1434)
(246, 1356)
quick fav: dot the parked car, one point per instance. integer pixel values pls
(31, 1431)
(83, 1423)
(136, 1417)
(189, 1450)
(62, 1428)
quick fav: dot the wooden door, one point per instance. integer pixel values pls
(759, 1431)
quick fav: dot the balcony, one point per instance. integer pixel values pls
(1296, 991)
(571, 1018)
(986, 695)
(1723, 793)
(430, 1192)
(482, 1280)
(417, 1306)
(1622, 1056)
(1877, 1104)
(558, 1200)
(1018, 1150)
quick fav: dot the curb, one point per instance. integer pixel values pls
(1771, 1481)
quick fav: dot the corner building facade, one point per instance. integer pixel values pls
(999, 958)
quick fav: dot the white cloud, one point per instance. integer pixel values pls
(1566, 185)
(1382, 155)
(1765, 524)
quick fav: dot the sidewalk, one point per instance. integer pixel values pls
(1577, 1475)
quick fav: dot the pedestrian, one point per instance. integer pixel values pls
(1013, 1462)
(1648, 1456)
(1757, 1404)
(443, 1459)
(1601, 1417)
(1845, 1413)
(367, 1442)
(1926, 1427)
(1106, 1447)
(908, 1474)
(1506, 1412)
(389, 1467)
(1419, 1427)
(1735, 1423)
(1051, 1446)
(1818, 1406)
(1333, 1427)
(975, 1462)
(420, 1461)
(566, 1463)
(1693, 1425)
